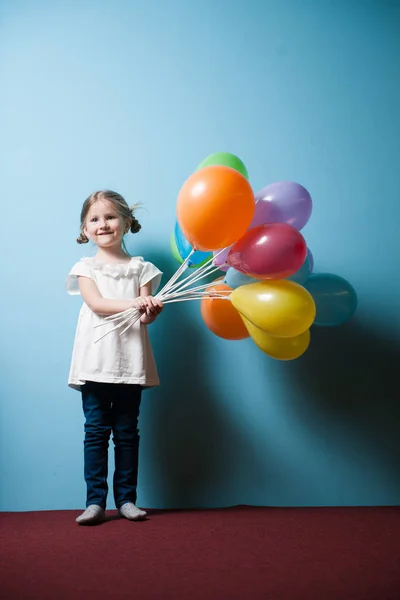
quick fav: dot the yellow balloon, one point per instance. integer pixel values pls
(278, 347)
(281, 308)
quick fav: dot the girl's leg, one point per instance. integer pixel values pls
(125, 415)
(96, 401)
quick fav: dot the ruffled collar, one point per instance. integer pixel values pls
(115, 270)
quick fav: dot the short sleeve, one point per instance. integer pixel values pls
(150, 273)
(79, 269)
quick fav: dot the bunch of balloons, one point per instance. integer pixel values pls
(269, 291)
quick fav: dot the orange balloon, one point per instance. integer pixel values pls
(215, 207)
(221, 317)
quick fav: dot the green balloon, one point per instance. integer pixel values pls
(224, 159)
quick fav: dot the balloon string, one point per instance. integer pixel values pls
(189, 281)
(131, 322)
(134, 313)
(201, 297)
(200, 272)
(206, 269)
(176, 276)
(189, 295)
(198, 287)
(196, 292)
(128, 312)
(115, 317)
(172, 291)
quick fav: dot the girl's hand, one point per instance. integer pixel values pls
(150, 307)
(140, 303)
(153, 306)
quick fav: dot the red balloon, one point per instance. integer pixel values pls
(270, 251)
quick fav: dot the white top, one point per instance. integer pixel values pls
(114, 359)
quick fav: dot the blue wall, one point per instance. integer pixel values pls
(132, 96)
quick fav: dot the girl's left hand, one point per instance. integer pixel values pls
(153, 306)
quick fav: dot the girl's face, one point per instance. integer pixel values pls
(104, 225)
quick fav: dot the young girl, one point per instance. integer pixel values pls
(112, 372)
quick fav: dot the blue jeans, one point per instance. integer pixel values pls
(111, 407)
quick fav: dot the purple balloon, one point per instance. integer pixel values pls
(220, 261)
(282, 202)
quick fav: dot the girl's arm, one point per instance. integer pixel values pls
(104, 306)
(90, 293)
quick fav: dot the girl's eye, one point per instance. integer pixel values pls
(93, 219)
(110, 217)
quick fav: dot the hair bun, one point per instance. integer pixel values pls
(136, 226)
(82, 239)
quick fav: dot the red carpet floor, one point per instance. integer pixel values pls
(220, 554)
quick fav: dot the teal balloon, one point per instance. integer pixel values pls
(302, 274)
(235, 278)
(335, 299)
(184, 249)
(174, 249)
(225, 159)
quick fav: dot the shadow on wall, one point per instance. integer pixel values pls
(350, 373)
(187, 435)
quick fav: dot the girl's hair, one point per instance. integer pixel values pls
(119, 204)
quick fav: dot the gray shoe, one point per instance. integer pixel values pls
(93, 514)
(131, 512)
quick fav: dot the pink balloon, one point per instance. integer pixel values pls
(271, 251)
(220, 261)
